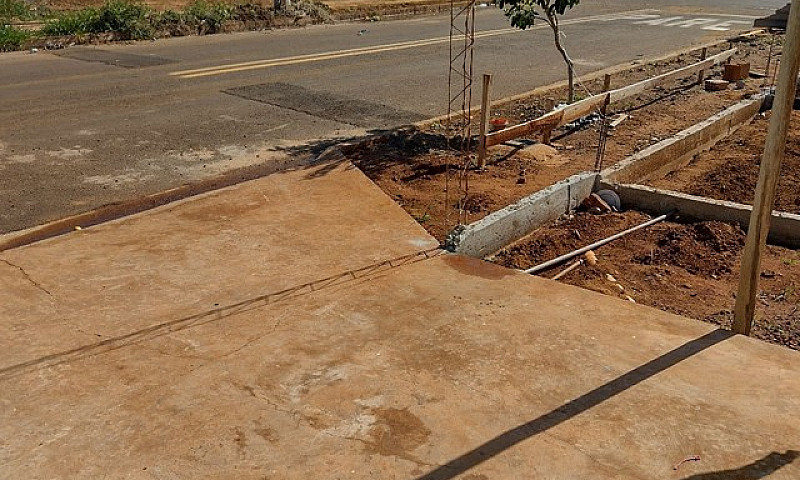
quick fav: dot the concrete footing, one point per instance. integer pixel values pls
(676, 152)
(784, 227)
(505, 226)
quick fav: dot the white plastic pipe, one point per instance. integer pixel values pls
(581, 251)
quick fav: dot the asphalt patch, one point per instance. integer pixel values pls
(325, 105)
(117, 59)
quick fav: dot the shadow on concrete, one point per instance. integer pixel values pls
(555, 417)
(761, 468)
(215, 315)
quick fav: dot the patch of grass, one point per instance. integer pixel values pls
(790, 262)
(12, 38)
(12, 9)
(209, 16)
(130, 20)
(73, 23)
(422, 219)
(318, 11)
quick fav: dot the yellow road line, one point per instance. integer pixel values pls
(300, 57)
(320, 57)
(317, 57)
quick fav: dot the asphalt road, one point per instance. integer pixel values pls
(88, 126)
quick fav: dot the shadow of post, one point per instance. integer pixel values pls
(573, 408)
(761, 468)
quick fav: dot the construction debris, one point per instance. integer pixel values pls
(595, 204)
(736, 71)
(618, 119)
(715, 85)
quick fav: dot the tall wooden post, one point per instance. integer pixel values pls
(606, 82)
(702, 75)
(486, 110)
(768, 178)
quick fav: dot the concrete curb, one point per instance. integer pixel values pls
(784, 227)
(677, 151)
(498, 229)
(114, 211)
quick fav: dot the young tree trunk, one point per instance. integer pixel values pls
(552, 20)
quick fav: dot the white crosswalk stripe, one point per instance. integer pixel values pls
(712, 24)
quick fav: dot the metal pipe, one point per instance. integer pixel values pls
(581, 251)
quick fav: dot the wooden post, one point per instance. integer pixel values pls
(547, 136)
(702, 75)
(769, 60)
(768, 176)
(606, 88)
(486, 109)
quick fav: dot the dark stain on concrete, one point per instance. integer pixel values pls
(397, 432)
(476, 268)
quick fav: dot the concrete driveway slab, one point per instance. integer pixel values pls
(190, 257)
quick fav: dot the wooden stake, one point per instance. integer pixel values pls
(486, 110)
(702, 75)
(768, 176)
(547, 136)
(607, 82)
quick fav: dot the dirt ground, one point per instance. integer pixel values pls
(413, 169)
(729, 171)
(687, 269)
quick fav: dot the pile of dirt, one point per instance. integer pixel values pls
(687, 269)
(729, 171)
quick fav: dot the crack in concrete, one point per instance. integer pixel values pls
(27, 276)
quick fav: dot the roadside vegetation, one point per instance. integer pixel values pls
(127, 20)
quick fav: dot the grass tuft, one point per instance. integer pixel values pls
(12, 38)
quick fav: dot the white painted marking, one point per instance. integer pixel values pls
(658, 21)
(725, 26)
(633, 16)
(683, 22)
(693, 22)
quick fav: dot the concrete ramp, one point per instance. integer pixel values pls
(300, 326)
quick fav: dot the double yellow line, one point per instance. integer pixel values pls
(318, 57)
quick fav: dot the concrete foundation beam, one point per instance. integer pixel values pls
(508, 225)
(784, 228)
(676, 152)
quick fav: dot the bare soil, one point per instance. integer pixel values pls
(729, 171)
(687, 269)
(429, 181)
